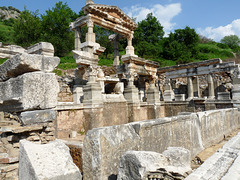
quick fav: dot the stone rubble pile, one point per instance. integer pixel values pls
(28, 94)
(11, 132)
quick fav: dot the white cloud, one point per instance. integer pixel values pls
(164, 13)
(218, 33)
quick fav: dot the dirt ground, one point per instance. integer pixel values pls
(205, 154)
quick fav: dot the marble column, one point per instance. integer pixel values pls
(211, 94)
(90, 36)
(116, 61)
(77, 39)
(196, 89)
(190, 88)
(130, 48)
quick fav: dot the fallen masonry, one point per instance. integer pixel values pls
(36, 90)
(103, 147)
(23, 63)
(174, 163)
(50, 161)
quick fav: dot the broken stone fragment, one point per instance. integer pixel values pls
(39, 116)
(135, 164)
(144, 164)
(49, 161)
(23, 63)
(43, 48)
(30, 91)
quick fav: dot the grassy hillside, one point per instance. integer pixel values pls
(6, 33)
(207, 51)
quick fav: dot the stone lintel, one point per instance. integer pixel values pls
(140, 61)
(43, 48)
(189, 65)
(201, 70)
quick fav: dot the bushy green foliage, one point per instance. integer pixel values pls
(148, 36)
(67, 62)
(181, 45)
(55, 28)
(213, 50)
(27, 28)
(102, 38)
(6, 33)
(232, 41)
(105, 62)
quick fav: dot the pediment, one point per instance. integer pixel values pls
(110, 13)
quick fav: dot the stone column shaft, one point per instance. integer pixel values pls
(77, 39)
(116, 61)
(90, 36)
(190, 88)
(211, 94)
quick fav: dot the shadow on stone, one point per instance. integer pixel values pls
(112, 177)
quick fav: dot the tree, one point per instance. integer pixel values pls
(147, 36)
(181, 45)
(102, 38)
(55, 26)
(232, 41)
(27, 28)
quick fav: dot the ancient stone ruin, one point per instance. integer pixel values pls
(139, 122)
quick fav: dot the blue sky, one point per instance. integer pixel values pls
(211, 18)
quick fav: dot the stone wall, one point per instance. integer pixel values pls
(11, 132)
(103, 147)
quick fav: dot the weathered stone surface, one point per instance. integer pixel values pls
(11, 50)
(29, 91)
(135, 164)
(179, 157)
(103, 147)
(50, 161)
(140, 164)
(23, 63)
(102, 150)
(40, 116)
(43, 48)
(224, 164)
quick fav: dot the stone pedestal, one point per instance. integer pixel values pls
(180, 97)
(168, 95)
(92, 93)
(222, 96)
(77, 94)
(131, 93)
(153, 95)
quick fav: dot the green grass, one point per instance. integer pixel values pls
(6, 34)
(105, 62)
(214, 50)
(67, 62)
(2, 61)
